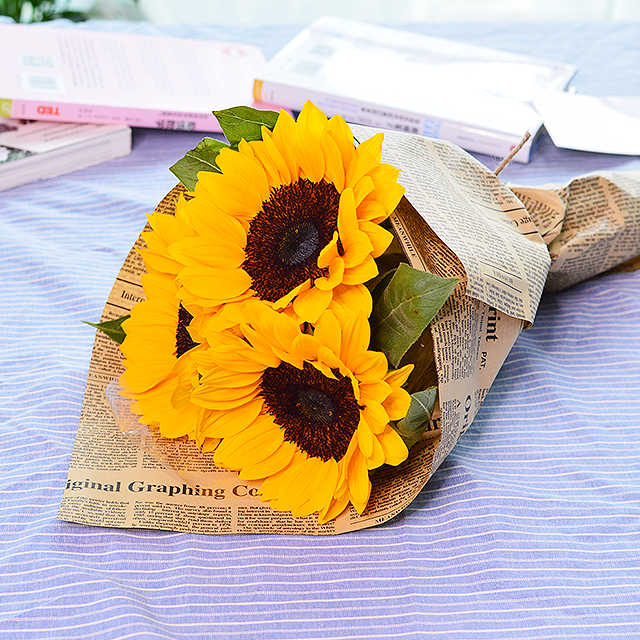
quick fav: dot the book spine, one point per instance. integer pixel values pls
(91, 114)
(493, 143)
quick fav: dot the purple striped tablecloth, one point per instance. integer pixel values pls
(530, 528)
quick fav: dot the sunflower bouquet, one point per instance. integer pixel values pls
(278, 312)
(312, 331)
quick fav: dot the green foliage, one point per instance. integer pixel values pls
(202, 158)
(236, 123)
(244, 122)
(413, 425)
(404, 309)
(112, 328)
(38, 10)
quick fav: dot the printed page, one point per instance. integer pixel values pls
(470, 339)
(476, 216)
(600, 226)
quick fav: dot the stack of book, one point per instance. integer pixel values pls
(32, 150)
(477, 97)
(94, 79)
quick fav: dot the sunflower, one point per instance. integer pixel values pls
(292, 218)
(160, 371)
(306, 414)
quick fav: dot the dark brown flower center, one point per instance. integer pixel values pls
(288, 234)
(319, 414)
(183, 339)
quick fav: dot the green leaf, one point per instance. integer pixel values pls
(202, 158)
(380, 284)
(405, 308)
(413, 425)
(245, 122)
(113, 328)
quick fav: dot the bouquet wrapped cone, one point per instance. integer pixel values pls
(456, 220)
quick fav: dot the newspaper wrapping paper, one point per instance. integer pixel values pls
(457, 219)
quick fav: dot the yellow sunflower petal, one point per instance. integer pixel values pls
(236, 361)
(368, 366)
(242, 163)
(373, 146)
(397, 404)
(334, 166)
(280, 330)
(329, 252)
(309, 154)
(224, 378)
(141, 378)
(310, 304)
(351, 300)
(385, 178)
(323, 487)
(365, 438)
(362, 189)
(296, 492)
(158, 286)
(377, 457)
(287, 298)
(272, 164)
(213, 223)
(270, 465)
(215, 283)
(284, 136)
(365, 271)
(362, 164)
(359, 483)
(305, 347)
(181, 395)
(207, 445)
(272, 488)
(356, 337)
(329, 358)
(372, 210)
(193, 251)
(329, 332)
(336, 273)
(397, 377)
(347, 219)
(357, 252)
(178, 423)
(238, 195)
(223, 400)
(375, 416)
(278, 159)
(380, 238)
(338, 129)
(395, 450)
(223, 424)
(209, 395)
(377, 390)
(312, 118)
(250, 446)
(160, 263)
(334, 509)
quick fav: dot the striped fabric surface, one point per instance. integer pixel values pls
(530, 528)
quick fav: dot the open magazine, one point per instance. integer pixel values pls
(457, 220)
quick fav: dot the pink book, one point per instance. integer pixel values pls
(74, 75)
